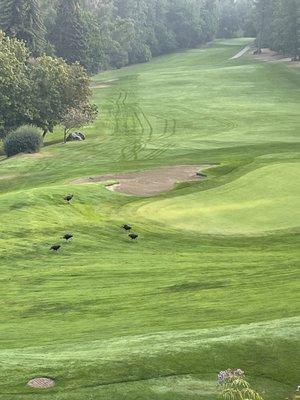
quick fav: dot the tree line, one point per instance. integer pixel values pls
(102, 34)
(278, 26)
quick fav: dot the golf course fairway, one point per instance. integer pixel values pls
(210, 284)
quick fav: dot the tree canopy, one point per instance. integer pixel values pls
(40, 90)
(103, 34)
(278, 25)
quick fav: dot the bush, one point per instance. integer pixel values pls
(25, 139)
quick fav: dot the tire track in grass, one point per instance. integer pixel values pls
(131, 120)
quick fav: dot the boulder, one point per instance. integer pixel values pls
(75, 137)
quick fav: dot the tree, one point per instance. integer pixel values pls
(56, 88)
(285, 28)
(39, 91)
(68, 34)
(78, 117)
(278, 26)
(264, 12)
(228, 20)
(245, 14)
(23, 19)
(14, 84)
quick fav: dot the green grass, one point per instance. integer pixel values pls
(263, 200)
(212, 282)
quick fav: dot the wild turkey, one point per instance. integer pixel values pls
(56, 247)
(127, 227)
(68, 237)
(133, 236)
(69, 198)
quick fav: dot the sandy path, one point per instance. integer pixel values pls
(241, 53)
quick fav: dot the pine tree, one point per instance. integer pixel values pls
(264, 10)
(292, 31)
(22, 19)
(68, 34)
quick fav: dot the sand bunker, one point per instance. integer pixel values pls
(148, 183)
(41, 383)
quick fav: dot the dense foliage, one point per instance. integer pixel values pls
(113, 33)
(236, 18)
(278, 25)
(25, 139)
(23, 19)
(40, 90)
(14, 83)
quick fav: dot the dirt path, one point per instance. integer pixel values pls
(268, 55)
(241, 53)
(148, 183)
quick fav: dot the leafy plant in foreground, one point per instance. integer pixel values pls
(235, 387)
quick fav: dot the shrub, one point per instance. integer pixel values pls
(25, 139)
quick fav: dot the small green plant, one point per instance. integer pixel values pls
(25, 139)
(235, 387)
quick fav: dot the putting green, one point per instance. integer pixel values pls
(263, 200)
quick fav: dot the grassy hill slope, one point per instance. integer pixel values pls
(211, 284)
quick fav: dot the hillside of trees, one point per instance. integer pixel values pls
(278, 26)
(103, 34)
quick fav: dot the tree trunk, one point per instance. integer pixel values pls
(65, 135)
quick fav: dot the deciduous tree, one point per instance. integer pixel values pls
(14, 84)
(78, 117)
(56, 88)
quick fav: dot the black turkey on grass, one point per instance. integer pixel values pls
(68, 237)
(69, 198)
(133, 236)
(127, 227)
(55, 248)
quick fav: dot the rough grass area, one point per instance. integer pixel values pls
(212, 282)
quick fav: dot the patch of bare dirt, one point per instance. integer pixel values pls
(272, 56)
(103, 85)
(41, 383)
(8, 177)
(33, 155)
(148, 183)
